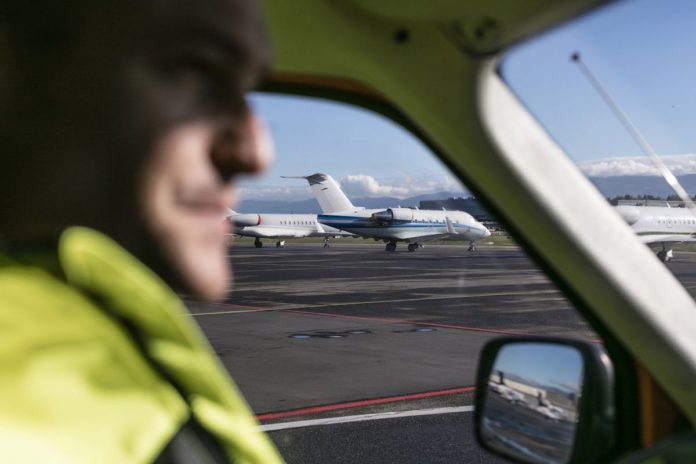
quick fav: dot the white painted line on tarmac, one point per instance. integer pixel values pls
(364, 417)
(236, 311)
(374, 302)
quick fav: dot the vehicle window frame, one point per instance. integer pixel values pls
(627, 400)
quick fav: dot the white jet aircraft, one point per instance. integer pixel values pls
(391, 225)
(281, 227)
(660, 226)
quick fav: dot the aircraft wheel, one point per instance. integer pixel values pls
(280, 244)
(391, 246)
(663, 255)
(258, 243)
(412, 246)
(472, 247)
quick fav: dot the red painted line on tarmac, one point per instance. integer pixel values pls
(405, 321)
(361, 403)
(426, 324)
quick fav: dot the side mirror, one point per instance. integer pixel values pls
(545, 400)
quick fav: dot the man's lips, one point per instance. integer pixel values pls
(210, 214)
(204, 207)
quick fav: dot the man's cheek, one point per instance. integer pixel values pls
(262, 142)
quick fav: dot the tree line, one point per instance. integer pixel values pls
(615, 200)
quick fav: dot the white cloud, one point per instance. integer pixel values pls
(251, 192)
(638, 166)
(362, 185)
(356, 186)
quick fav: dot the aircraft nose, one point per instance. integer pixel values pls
(486, 232)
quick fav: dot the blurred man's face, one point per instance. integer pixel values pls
(185, 199)
(130, 117)
(209, 137)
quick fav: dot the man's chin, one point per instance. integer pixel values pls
(208, 282)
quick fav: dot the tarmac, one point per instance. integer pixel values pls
(352, 354)
(352, 331)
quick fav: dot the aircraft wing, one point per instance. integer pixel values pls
(667, 238)
(328, 231)
(420, 236)
(337, 233)
(450, 227)
(272, 232)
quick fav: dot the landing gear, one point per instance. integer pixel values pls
(665, 255)
(258, 243)
(280, 243)
(472, 246)
(326, 242)
(413, 246)
(391, 246)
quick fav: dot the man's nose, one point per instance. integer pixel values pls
(242, 147)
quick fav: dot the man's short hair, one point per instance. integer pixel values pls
(86, 86)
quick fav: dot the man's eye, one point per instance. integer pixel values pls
(203, 62)
(199, 68)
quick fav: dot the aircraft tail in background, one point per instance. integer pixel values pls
(327, 192)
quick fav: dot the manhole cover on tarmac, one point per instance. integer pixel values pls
(306, 335)
(330, 335)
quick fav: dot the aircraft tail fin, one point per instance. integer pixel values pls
(327, 192)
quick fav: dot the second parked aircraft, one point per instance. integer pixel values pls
(392, 225)
(660, 226)
(281, 227)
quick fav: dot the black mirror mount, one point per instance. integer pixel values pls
(545, 400)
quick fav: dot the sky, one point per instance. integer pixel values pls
(642, 51)
(367, 153)
(543, 363)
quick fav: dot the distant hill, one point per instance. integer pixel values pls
(311, 206)
(609, 186)
(641, 185)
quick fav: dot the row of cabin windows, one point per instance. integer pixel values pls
(309, 223)
(676, 221)
(297, 223)
(456, 221)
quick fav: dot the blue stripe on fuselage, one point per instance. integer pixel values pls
(352, 222)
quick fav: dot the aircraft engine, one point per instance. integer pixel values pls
(392, 215)
(630, 214)
(245, 220)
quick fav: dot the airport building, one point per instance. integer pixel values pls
(470, 205)
(642, 202)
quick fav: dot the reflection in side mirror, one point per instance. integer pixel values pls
(531, 405)
(539, 400)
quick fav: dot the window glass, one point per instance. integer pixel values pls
(614, 88)
(342, 348)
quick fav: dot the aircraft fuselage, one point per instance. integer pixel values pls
(406, 224)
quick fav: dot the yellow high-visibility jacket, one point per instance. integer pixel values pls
(76, 385)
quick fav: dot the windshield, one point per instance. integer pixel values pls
(355, 324)
(613, 89)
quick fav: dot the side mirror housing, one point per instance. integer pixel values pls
(545, 400)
